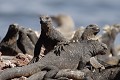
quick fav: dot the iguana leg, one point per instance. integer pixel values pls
(24, 43)
(51, 72)
(64, 74)
(60, 47)
(37, 50)
(34, 59)
(67, 74)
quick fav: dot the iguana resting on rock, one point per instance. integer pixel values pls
(18, 40)
(64, 74)
(8, 45)
(49, 37)
(24, 43)
(89, 33)
(32, 35)
(74, 56)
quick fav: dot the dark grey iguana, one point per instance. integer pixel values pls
(74, 54)
(8, 45)
(32, 35)
(77, 53)
(89, 33)
(24, 43)
(49, 37)
(18, 39)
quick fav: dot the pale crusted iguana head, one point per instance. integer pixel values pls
(93, 28)
(46, 22)
(90, 32)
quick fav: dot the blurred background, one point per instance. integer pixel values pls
(83, 12)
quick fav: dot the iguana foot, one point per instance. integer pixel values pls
(60, 47)
(35, 59)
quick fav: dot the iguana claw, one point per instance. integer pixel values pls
(60, 47)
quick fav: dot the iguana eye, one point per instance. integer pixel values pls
(91, 26)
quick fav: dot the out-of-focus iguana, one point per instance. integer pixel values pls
(8, 45)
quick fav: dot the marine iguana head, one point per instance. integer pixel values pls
(13, 26)
(90, 32)
(46, 22)
(93, 28)
(12, 33)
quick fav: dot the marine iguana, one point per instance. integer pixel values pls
(49, 37)
(89, 33)
(32, 35)
(24, 43)
(77, 53)
(8, 45)
(17, 40)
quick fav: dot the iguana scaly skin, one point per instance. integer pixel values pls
(32, 35)
(74, 54)
(89, 33)
(24, 43)
(49, 37)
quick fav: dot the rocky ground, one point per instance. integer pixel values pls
(14, 61)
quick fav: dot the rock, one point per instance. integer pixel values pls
(20, 60)
(6, 64)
